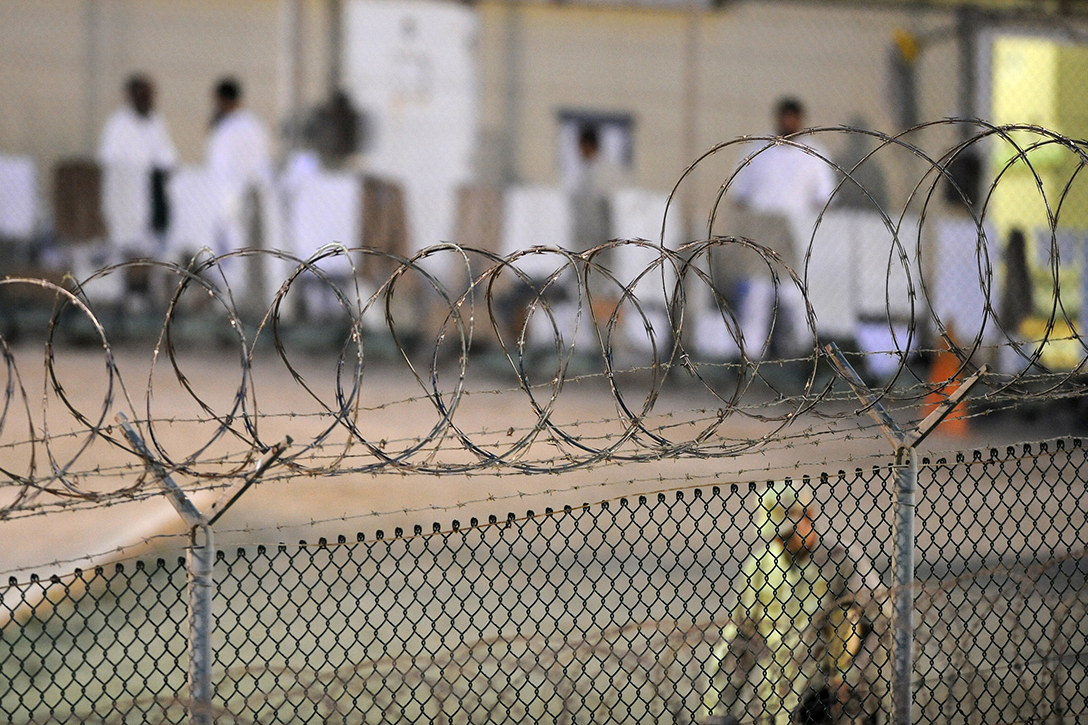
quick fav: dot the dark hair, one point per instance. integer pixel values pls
(789, 105)
(963, 179)
(587, 136)
(135, 83)
(228, 89)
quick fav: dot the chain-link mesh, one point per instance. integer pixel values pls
(105, 645)
(612, 612)
(388, 127)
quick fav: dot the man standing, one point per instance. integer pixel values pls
(238, 159)
(240, 165)
(791, 651)
(777, 196)
(589, 191)
(136, 153)
(594, 179)
(785, 179)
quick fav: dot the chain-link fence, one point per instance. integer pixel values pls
(529, 134)
(612, 612)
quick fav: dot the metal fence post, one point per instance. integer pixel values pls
(906, 462)
(903, 566)
(200, 561)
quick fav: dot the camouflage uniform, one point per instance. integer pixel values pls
(798, 627)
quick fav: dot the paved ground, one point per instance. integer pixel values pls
(963, 521)
(307, 507)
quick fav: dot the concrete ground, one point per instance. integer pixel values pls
(968, 518)
(395, 413)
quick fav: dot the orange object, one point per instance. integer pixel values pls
(944, 379)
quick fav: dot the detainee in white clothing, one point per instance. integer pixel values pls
(135, 142)
(240, 162)
(794, 184)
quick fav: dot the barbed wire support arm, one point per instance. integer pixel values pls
(906, 463)
(199, 563)
(233, 493)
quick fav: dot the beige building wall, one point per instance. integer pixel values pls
(579, 58)
(64, 62)
(630, 60)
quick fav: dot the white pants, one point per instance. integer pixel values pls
(714, 339)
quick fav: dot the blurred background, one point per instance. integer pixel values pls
(402, 124)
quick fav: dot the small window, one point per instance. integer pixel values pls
(615, 132)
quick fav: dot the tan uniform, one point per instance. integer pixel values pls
(800, 626)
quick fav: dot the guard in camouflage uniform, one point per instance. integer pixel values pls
(801, 632)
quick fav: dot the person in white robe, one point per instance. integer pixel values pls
(777, 197)
(240, 164)
(135, 154)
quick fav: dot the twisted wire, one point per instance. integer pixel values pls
(543, 312)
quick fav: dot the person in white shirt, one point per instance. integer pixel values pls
(777, 197)
(240, 165)
(238, 159)
(589, 188)
(135, 154)
(785, 179)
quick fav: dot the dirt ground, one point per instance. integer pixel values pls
(396, 412)
(584, 585)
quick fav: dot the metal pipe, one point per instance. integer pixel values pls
(199, 562)
(903, 586)
(290, 71)
(512, 69)
(689, 111)
(906, 462)
(967, 27)
(335, 38)
(93, 61)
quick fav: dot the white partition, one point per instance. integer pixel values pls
(541, 216)
(535, 216)
(638, 214)
(885, 266)
(198, 221)
(961, 286)
(860, 274)
(194, 211)
(411, 65)
(883, 282)
(18, 196)
(325, 208)
(831, 275)
(321, 209)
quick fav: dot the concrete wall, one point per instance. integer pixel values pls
(64, 61)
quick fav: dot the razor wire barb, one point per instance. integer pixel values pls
(628, 306)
